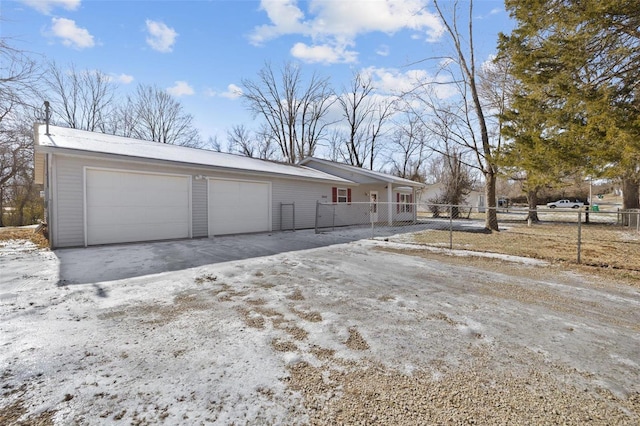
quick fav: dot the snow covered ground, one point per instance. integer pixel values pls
(211, 331)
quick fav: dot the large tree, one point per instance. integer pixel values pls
(19, 76)
(251, 144)
(152, 114)
(294, 109)
(409, 146)
(365, 115)
(80, 99)
(580, 62)
(472, 114)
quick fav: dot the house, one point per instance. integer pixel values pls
(475, 197)
(105, 189)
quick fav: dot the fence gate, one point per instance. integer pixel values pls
(287, 216)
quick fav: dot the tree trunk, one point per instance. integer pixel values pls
(532, 200)
(630, 193)
(630, 197)
(491, 218)
(1, 206)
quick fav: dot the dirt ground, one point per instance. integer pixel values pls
(363, 332)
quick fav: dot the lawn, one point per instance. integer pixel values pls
(601, 245)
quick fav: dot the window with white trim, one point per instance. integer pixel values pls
(342, 195)
(405, 204)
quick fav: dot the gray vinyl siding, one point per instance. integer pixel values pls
(304, 194)
(68, 203)
(199, 213)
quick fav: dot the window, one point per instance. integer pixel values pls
(405, 203)
(341, 195)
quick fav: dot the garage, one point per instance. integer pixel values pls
(238, 206)
(123, 206)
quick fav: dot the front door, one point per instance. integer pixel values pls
(373, 206)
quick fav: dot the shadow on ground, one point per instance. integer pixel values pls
(115, 262)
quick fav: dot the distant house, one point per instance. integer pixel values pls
(475, 197)
(104, 189)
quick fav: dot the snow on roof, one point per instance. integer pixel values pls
(92, 142)
(366, 172)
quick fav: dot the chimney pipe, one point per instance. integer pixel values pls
(47, 116)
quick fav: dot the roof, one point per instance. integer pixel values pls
(81, 141)
(379, 176)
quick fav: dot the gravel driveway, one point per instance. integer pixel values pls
(360, 332)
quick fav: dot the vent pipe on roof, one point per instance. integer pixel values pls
(47, 116)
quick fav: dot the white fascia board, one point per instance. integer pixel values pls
(68, 152)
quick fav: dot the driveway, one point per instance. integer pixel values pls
(298, 328)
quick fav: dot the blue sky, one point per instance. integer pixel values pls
(201, 50)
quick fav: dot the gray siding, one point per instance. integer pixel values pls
(199, 208)
(304, 194)
(68, 203)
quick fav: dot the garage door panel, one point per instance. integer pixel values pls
(239, 207)
(143, 232)
(126, 207)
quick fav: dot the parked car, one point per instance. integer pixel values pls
(566, 204)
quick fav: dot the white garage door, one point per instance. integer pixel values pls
(125, 207)
(237, 207)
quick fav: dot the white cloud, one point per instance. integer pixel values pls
(232, 92)
(323, 54)
(46, 6)
(124, 78)
(71, 34)
(181, 88)
(161, 37)
(339, 23)
(394, 81)
(383, 50)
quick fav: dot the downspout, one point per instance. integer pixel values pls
(390, 203)
(47, 199)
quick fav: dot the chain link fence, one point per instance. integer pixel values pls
(606, 237)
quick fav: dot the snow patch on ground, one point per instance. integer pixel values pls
(206, 331)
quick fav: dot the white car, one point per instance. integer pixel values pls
(565, 204)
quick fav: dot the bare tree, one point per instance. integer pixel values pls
(19, 75)
(157, 116)
(81, 99)
(256, 145)
(294, 112)
(410, 149)
(469, 127)
(214, 144)
(240, 141)
(365, 115)
(16, 158)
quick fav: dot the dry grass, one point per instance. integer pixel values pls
(601, 245)
(21, 233)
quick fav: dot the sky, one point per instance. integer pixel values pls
(200, 51)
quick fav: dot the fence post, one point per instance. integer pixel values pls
(333, 223)
(450, 227)
(579, 234)
(371, 207)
